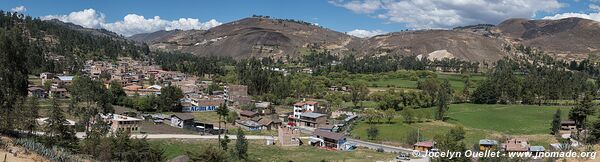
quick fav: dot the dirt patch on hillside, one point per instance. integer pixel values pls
(15, 153)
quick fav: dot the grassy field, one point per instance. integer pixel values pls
(479, 121)
(456, 81)
(258, 151)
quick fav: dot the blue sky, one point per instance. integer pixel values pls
(364, 17)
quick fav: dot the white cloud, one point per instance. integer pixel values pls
(594, 7)
(591, 16)
(426, 14)
(365, 33)
(88, 18)
(131, 23)
(368, 6)
(19, 9)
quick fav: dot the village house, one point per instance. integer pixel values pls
(269, 123)
(45, 76)
(568, 125)
(302, 107)
(58, 93)
(424, 145)
(63, 81)
(328, 139)
(288, 136)
(516, 145)
(248, 125)
(486, 144)
(182, 120)
(37, 92)
(246, 115)
(122, 123)
(311, 119)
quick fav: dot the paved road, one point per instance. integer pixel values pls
(387, 148)
(187, 136)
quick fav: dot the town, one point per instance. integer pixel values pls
(338, 80)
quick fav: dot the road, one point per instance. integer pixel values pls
(387, 148)
(187, 136)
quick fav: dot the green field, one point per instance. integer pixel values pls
(258, 151)
(479, 121)
(456, 81)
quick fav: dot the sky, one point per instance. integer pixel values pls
(362, 18)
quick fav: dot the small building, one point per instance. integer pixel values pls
(202, 105)
(247, 114)
(516, 145)
(328, 139)
(248, 125)
(58, 93)
(182, 120)
(36, 92)
(568, 125)
(122, 123)
(486, 144)
(46, 75)
(536, 150)
(424, 145)
(311, 119)
(288, 136)
(269, 123)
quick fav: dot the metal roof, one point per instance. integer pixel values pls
(312, 114)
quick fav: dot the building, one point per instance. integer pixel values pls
(302, 107)
(516, 145)
(37, 92)
(568, 125)
(45, 76)
(201, 105)
(247, 114)
(486, 144)
(182, 120)
(237, 95)
(63, 81)
(288, 136)
(122, 123)
(248, 125)
(58, 93)
(268, 123)
(327, 139)
(311, 119)
(424, 145)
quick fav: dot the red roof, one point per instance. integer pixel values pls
(299, 104)
(311, 102)
(425, 144)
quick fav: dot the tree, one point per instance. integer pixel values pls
(412, 137)
(444, 98)
(232, 117)
(430, 87)
(47, 85)
(358, 92)
(169, 99)
(372, 132)
(580, 111)
(222, 111)
(57, 131)
(30, 114)
(241, 146)
(407, 114)
(116, 92)
(208, 154)
(452, 142)
(371, 115)
(555, 123)
(389, 114)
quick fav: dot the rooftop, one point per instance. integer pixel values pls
(488, 142)
(330, 135)
(425, 144)
(312, 115)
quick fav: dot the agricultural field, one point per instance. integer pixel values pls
(479, 121)
(262, 152)
(456, 81)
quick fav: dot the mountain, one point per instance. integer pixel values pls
(437, 44)
(251, 37)
(571, 38)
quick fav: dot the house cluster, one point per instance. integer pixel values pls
(54, 86)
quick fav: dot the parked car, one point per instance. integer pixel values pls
(403, 156)
(379, 149)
